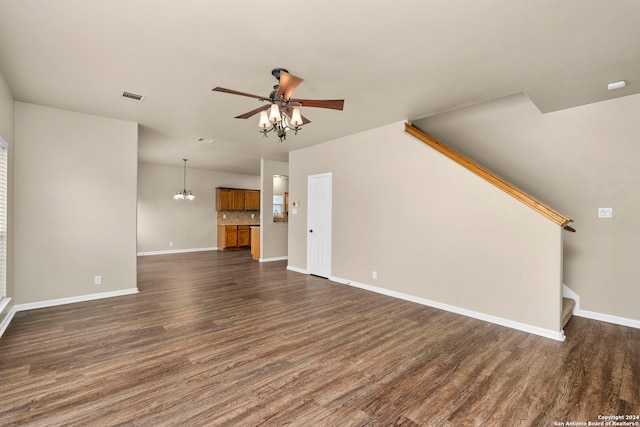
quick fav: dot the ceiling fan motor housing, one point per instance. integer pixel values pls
(276, 72)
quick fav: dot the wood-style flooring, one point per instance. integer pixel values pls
(215, 338)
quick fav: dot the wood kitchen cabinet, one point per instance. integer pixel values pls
(255, 243)
(233, 237)
(252, 200)
(237, 199)
(224, 199)
(244, 236)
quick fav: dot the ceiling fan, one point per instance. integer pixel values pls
(283, 112)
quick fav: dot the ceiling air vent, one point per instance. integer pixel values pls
(132, 96)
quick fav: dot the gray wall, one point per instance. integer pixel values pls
(74, 204)
(188, 224)
(429, 228)
(575, 160)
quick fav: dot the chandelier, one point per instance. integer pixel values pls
(281, 117)
(184, 194)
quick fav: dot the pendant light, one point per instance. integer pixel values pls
(184, 194)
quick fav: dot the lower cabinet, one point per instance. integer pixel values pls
(244, 236)
(233, 237)
(255, 242)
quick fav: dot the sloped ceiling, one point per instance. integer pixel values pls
(390, 61)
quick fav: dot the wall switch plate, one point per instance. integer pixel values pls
(253, 216)
(294, 211)
(605, 212)
(224, 216)
(97, 280)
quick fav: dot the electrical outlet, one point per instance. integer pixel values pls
(224, 216)
(97, 280)
(374, 275)
(253, 216)
(170, 244)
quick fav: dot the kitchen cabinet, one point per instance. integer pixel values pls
(237, 199)
(244, 236)
(252, 200)
(255, 243)
(224, 199)
(233, 237)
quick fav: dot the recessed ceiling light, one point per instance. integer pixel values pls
(617, 85)
(205, 140)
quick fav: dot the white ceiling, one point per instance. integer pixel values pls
(388, 60)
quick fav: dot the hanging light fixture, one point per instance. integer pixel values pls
(280, 117)
(282, 113)
(184, 193)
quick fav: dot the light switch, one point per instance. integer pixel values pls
(605, 212)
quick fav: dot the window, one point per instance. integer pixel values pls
(3, 218)
(278, 206)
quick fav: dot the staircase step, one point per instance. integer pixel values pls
(567, 310)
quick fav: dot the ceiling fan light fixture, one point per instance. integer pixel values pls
(264, 120)
(296, 117)
(274, 114)
(282, 113)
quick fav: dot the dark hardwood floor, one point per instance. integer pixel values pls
(214, 338)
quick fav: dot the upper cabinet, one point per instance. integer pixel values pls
(252, 200)
(224, 199)
(237, 199)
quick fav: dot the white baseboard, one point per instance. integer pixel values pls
(547, 333)
(176, 251)
(624, 321)
(339, 280)
(5, 322)
(71, 300)
(297, 270)
(609, 318)
(278, 258)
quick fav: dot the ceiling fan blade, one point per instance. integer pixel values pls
(235, 92)
(252, 112)
(290, 114)
(288, 83)
(333, 104)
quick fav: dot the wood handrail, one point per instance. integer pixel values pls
(489, 176)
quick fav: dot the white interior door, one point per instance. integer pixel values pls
(319, 225)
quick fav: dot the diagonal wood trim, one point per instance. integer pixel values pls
(489, 176)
